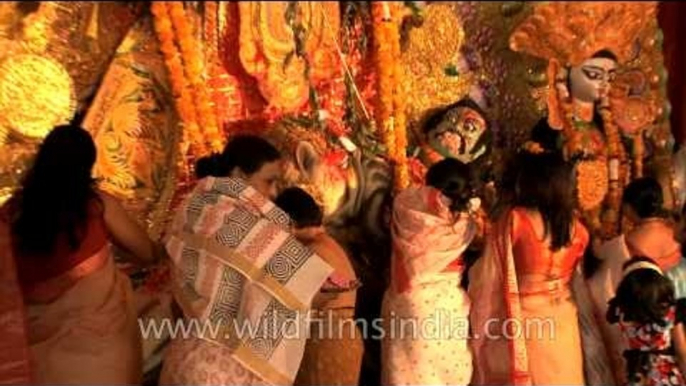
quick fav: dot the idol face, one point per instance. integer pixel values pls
(591, 80)
(458, 134)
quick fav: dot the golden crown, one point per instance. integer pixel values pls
(572, 32)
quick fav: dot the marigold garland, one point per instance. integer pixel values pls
(192, 58)
(182, 97)
(390, 109)
(210, 32)
(385, 82)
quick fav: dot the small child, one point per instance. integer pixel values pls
(308, 218)
(652, 325)
(334, 358)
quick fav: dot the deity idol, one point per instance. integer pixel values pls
(461, 131)
(584, 45)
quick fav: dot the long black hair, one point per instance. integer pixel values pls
(455, 180)
(544, 182)
(643, 296)
(54, 196)
(245, 152)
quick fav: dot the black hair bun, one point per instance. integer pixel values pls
(454, 179)
(210, 165)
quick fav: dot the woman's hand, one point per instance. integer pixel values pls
(127, 234)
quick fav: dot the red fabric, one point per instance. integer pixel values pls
(534, 258)
(33, 270)
(671, 18)
(14, 347)
(456, 266)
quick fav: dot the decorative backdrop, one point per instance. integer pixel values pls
(342, 88)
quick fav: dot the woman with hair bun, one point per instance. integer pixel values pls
(249, 158)
(237, 270)
(432, 226)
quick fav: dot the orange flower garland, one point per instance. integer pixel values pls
(184, 102)
(193, 60)
(210, 32)
(390, 107)
(616, 153)
(383, 31)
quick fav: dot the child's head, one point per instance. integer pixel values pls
(644, 295)
(301, 208)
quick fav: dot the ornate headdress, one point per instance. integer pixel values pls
(567, 33)
(571, 32)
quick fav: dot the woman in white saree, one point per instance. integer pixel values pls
(431, 230)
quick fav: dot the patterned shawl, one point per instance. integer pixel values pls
(236, 266)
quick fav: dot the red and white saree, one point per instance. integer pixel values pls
(425, 310)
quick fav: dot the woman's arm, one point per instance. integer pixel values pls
(679, 342)
(126, 233)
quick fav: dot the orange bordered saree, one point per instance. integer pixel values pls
(505, 300)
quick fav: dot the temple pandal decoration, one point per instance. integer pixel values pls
(344, 89)
(268, 49)
(295, 51)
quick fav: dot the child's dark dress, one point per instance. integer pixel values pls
(651, 360)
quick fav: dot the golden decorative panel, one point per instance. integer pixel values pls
(462, 49)
(49, 50)
(267, 48)
(36, 93)
(433, 49)
(573, 31)
(81, 35)
(136, 129)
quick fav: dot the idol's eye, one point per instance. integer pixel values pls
(592, 74)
